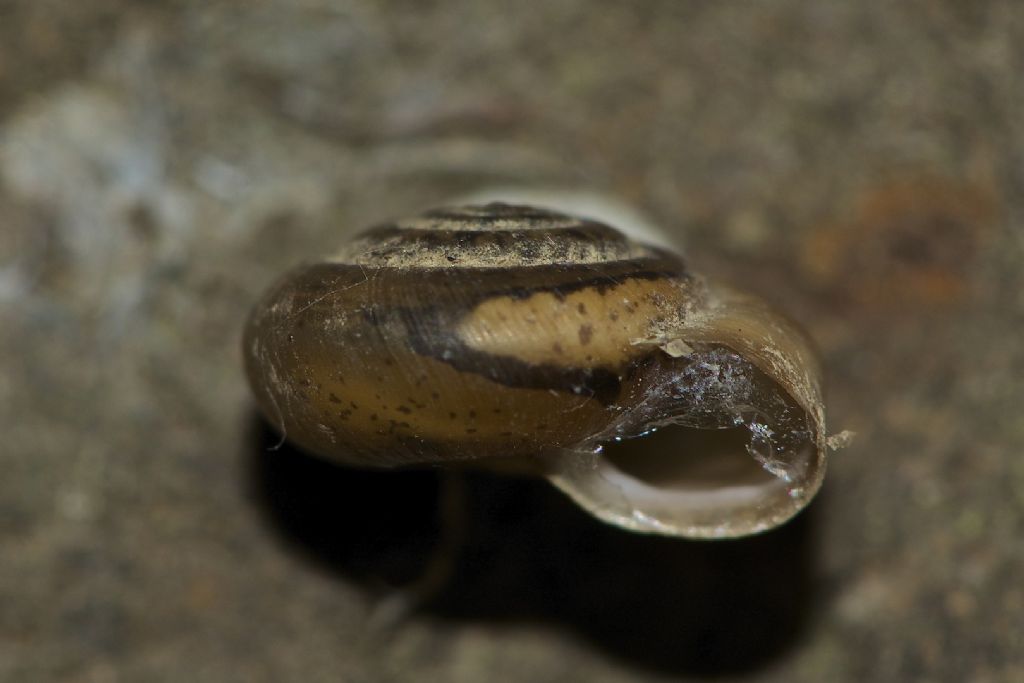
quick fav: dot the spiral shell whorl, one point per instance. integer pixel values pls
(491, 236)
(502, 332)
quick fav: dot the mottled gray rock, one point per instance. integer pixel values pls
(161, 162)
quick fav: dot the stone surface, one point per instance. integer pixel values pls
(160, 162)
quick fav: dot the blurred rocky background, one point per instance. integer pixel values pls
(161, 161)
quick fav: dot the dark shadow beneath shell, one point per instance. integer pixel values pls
(527, 553)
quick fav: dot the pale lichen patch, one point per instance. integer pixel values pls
(677, 348)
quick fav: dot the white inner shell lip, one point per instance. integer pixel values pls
(731, 471)
(678, 467)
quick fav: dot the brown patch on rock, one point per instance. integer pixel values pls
(908, 242)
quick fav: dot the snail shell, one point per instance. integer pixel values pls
(517, 337)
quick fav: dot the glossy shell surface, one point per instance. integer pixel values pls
(515, 336)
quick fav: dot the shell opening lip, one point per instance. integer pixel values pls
(707, 468)
(745, 466)
(691, 482)
(704, 462)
